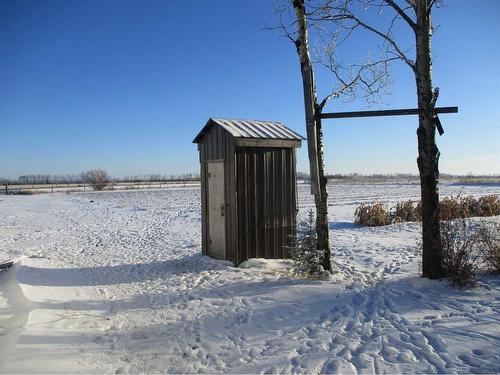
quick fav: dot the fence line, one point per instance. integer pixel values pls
(17, 189)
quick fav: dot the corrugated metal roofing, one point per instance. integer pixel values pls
(252, 129)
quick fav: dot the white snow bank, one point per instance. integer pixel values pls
(120, 285)
(51, 325)
(267, 264)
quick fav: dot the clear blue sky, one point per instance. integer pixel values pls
(126, 85)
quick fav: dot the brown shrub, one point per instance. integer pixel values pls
(404, 211)
(460, 256)
(96, 178)
(418, 211)
(468, 207)
(488, 206)
(489, 245)
(450, 208)
(463, 207)
(372, 215)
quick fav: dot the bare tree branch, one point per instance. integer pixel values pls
(384, 36)
(402, 13)
(340, 13)
(431, 4)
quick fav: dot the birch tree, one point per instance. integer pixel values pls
(415, 15)
(367, 79)
(314, 134)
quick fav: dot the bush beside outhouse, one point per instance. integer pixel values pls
(248, 188)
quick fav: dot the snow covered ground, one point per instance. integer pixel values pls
(114, 282)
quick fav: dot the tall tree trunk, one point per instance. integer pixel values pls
(322, 200)
(428, 153)
(314, 134)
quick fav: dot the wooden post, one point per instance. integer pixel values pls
(322, 227)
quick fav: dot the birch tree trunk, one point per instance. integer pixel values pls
(314, 134)
(428, 153)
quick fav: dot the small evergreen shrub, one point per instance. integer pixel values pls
(304, 250)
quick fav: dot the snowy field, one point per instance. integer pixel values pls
(114, 282)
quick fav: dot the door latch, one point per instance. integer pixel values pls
(221, 210)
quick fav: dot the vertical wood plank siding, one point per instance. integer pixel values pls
(260, 196)
(266, 202)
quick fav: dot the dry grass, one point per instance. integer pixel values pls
(451, 208)
(405, 211)
(464, 207)
(488, 206)
(372, 215)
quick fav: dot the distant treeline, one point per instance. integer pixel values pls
(81, 178)
(468, 178)
(352, 176)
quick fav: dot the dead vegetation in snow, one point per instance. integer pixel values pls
(452, 207)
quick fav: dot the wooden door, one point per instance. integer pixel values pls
(216, 210)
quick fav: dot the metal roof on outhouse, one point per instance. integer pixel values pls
(252, 129)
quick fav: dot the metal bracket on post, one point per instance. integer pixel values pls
(438, 125)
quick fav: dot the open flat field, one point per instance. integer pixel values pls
(115, 282)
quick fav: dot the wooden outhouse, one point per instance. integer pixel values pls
(248, 188)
